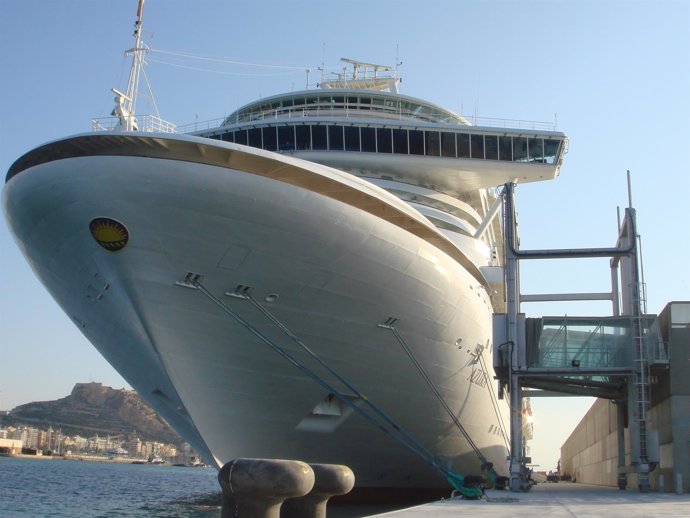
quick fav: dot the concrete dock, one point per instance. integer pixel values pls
(555, 500)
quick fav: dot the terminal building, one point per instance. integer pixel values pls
(590, 455)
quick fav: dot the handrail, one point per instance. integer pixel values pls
(149, 124)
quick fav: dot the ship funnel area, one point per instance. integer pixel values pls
(606, 357)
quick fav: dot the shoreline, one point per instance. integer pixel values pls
(88, 458)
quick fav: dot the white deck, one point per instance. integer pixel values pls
(555, 500)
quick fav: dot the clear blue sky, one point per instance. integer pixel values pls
(616, 74)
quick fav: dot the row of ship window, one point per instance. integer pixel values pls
(325, 102)
(400, 141)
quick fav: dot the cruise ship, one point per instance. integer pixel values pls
(314, 278)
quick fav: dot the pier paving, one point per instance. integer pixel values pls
(556, 500)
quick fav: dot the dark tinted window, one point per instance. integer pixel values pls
(368, 139)
(286, 138)
(505, 148)
(433, 143)
(384, 140)
(477, 145)
(335, 138)
(351, 138)
(241, 137)
(536, 150)
(400, 141)
(448, 145)
(520, 149)
(303, 137)
(270, 139)
(463, 145)
(491, 147)
(318, 137)
(254, 137)
(416, 142)
(551, 151)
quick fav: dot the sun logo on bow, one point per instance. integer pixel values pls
(110, 234)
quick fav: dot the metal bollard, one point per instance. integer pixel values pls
(329, 480)
(256, 488)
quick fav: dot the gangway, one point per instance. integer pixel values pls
(607, 357)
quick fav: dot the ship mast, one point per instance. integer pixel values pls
(125, 103)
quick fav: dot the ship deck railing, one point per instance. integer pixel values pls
(145, 123)
(383, 109)
(475, 121)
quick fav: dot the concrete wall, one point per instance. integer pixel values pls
(590, 454)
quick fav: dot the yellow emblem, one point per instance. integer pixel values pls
(110, 234)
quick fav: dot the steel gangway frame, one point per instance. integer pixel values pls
(628, 300)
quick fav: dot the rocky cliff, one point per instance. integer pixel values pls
(91, 409)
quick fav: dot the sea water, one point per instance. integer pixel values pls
(59, 488)
(67, 489)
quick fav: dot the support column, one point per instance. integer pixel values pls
(620, 436)
(512, 310)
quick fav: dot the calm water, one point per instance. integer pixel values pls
(65, 488)
(57, 488)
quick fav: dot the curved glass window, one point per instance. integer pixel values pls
(551, 148)
(387, 104)
(402, 141)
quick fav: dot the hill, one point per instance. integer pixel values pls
(91, 409)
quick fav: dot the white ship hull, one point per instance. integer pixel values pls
(330, 270)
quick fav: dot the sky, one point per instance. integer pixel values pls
(614, 75)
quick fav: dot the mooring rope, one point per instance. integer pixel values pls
(406, 440)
